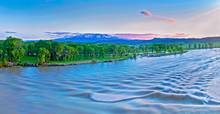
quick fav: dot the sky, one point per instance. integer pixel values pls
(137, 19)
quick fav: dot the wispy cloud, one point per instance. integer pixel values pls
(34, 36)
(146, 13)
(60, 34)
(162, 18)
(10, 32)
(5, 34)
(204, 24)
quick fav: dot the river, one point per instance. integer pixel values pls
(175, 84)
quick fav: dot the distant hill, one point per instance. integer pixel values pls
(105, 38)
(96, 38)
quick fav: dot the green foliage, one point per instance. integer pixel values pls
(43, 56)
(161, 48)
(68, 53)
(29, 60)
(13, 48)
(1, 54)
(45, 51)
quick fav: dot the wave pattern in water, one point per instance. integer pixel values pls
(160, 85)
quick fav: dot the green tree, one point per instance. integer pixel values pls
(69, 53)
(1, 54)
(14, 49)
(57, 51)
(43, 56)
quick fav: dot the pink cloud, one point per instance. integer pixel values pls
(181, 35)
(146, 13)
(166, 19)
(138, 36)
(151, 36)
(162, 18)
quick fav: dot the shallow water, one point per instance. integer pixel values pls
(176, 84)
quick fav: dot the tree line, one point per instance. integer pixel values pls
(14, 49)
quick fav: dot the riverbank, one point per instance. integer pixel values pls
(91, 61)
(162, 54)
(32, 61)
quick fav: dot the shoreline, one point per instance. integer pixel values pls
(70, 63)
(73, 63)
(162, 54)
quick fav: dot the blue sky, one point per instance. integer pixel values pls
(106, 16)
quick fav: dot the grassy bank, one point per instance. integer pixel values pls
(32, 61)
(85, 61)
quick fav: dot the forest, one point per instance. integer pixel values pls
(15, 52)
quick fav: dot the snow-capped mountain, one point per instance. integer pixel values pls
(105, 38)
(92, 38)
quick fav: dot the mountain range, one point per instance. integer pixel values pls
(106, 38)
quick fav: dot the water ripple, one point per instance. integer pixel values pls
(187, 83)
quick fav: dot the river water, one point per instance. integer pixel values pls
(176, 84)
